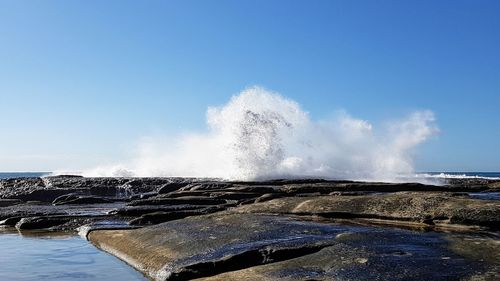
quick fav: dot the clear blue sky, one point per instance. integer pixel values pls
(81, 81)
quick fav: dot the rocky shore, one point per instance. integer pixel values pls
(186, 228)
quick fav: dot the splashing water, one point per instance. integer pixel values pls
(260, 135)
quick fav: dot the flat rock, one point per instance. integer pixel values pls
(40, 222)
(425, 207)
(194, 200)
(374, 254)
(207, 245)
(46, 189)
(9, 202)
(145, 209)
(331, 186)
(164, 216)
(34, 210)
(230, 246)
(77, 199)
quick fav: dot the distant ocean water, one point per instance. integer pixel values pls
(22, 175)
(461, 175)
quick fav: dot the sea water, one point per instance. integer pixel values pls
(57, 256)
(13, 175)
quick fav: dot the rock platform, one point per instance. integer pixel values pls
(310, 229)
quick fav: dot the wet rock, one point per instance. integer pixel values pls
(46, 195)
(29, 210)
(270, 230)
(267, 197)
(20, 184)
(144, 195)
(48, 188)
(77, 199)
(48, 210)
(207, 186)
(84, 230)
(40, 222)
(262, 189)
(145, 209)
(194, 200)
(206, 245)
(281, 182)
(162, 216)
(9, 202)
(494, 185)
(376, 255)
(176, 194)
(12, 221)
(172, 186)
(433, 208)
(263, 247)
(233, 195)
(331, 186)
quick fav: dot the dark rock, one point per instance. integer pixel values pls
(206, 245)
(206, 186)
(193, 200)
(263, 247)
(382, 255)
(172, 186)
(162, 216)
(40, 222)
(65, 197)
(65, 176)
(145, 195)
(80, 200)
(233, 195)
(440, 208)
(271, 230)
(9, 202)
(281, 182)
(84, 230)
(176, 194)
(45, 195)
(12, 221)
(262, 189)
(48, 210)
(267, 197)
(331, 186)
(145, 209)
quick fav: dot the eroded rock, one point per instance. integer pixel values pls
(425, 207)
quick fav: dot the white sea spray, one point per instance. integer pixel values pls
(260, 134)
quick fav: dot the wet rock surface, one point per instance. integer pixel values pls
(310, 229)
(389, 255)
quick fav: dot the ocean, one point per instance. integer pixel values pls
(462, 175)
(11, 175)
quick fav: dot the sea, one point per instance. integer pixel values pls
(12, 175)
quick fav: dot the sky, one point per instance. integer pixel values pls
(82, 81)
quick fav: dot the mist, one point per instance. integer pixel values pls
(259, 134)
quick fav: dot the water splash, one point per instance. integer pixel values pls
(260, 134)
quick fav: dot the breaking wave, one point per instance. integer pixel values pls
(486, 176)
(260, 134)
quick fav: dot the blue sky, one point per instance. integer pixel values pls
(82, 81)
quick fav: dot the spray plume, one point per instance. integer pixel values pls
(259, 134)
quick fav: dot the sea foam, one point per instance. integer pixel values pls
(260, 134)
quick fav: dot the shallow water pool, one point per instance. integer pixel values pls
(58, 256)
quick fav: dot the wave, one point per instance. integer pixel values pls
(260, 134)
(458, 176)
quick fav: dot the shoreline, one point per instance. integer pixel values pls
(185, 228)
